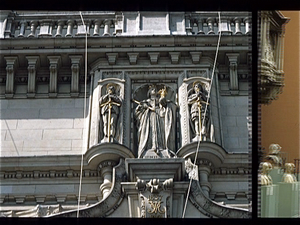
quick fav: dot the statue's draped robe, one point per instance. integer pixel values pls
(155, 126)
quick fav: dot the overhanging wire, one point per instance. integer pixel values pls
(208, 96)
(84, 112)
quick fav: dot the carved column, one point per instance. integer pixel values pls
(233, 62)
(210, 22)
(11, 65)
(60, 25)
(23, 25)
(33, 25)
(54, 65)
(107, 27)
(247, 21)
(106, 172)
(200, 26)
(32, 66)
(97, 27)
(75, 61)
(70, 28)
(237, 22)
(188, 27)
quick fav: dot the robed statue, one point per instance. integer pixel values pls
(155, 120)
(197, 100)
(110, 104)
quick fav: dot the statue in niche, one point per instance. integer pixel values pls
(110, 104)
(197, 100)
(155, 120)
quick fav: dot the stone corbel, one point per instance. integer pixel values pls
(33, 63)
(196, 56)
(153, 57)
(133, 56)
(76, 62)
(112, 58)
(11, 65)
(233, 64)
(174, 57)
(54, 66)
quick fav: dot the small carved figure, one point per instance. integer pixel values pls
(110, 104)
(288, 176)
(197, 100)
(266, 179)
(155, 121)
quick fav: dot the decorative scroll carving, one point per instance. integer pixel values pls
(110, 105)
(212, 209)
(197, 99)
(110, 203)
(155, 120)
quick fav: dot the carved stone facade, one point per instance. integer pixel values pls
(151, 109)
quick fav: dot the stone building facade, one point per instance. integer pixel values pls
(135, 114)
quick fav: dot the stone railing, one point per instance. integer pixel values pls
(69, 24)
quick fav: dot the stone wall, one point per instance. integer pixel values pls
(42, 127)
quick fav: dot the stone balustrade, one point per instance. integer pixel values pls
(99, 24)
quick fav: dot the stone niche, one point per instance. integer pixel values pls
(132, 88)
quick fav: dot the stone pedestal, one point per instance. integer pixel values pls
(269, 201)
(276, 175)
(156, 188)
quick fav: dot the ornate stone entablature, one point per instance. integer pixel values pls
(271, 55)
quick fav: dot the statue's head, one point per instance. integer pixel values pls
(152, 90)
(289, 167)
(111, 88)
(197, 85)
(274, 149)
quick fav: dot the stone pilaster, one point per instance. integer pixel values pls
(11, 65)
(54, 65)
(75, 67)
(33, 62)
(233, 63)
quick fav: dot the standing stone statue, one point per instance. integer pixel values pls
(110, 104)
(155, 120)
(197, 99)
